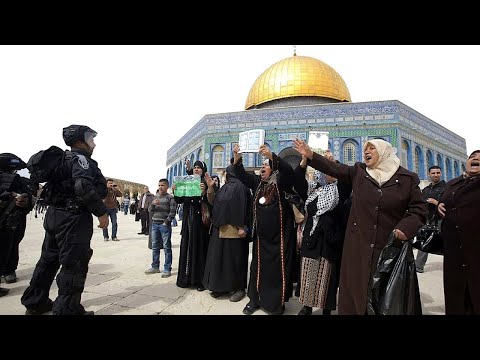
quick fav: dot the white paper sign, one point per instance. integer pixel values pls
(318, 140)
(251, 140)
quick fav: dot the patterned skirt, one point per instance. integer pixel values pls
(314, 280)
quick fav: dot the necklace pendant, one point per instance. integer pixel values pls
(262, 200)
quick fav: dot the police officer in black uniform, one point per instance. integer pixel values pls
(73, 196)
(16, 201)
(29, 191)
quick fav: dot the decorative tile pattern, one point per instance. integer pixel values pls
(343, 121)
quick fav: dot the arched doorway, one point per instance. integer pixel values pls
(291, 156)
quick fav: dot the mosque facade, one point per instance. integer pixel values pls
(301, 94)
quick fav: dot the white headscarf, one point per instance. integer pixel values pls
(387, 163)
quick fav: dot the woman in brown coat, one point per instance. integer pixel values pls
(460, 206)
(386, 197)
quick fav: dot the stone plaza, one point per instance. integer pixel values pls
(117, 285)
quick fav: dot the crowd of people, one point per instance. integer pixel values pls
(330, 252)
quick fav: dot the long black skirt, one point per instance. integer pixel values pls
(227, 264)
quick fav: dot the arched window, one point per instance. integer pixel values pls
(218, 154)
(181, 168)
(404, 159)
(456, 171)
(442, 166)
(463, 168)
(419, 162)
(349, 152)
(430, 161)
(416, 160)
(448, 165)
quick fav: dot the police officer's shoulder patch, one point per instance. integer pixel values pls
(83, 162)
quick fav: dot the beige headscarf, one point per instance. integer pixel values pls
(387, 163)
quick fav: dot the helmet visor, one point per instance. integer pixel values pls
(88, 138)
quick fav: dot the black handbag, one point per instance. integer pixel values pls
(429, 239)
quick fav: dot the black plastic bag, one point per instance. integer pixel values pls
(429, 239)
(394, 289)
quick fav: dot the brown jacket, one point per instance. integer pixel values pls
(111, 198)
(375, 212)
(461, 264)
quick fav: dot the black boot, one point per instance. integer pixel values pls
(40, 309)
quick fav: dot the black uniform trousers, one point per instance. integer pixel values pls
(66, 244)
(13, 257)
(6, 244)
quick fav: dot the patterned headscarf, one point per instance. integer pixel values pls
(387, 164)
(326, 195)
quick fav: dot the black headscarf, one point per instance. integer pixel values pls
(232, 202)
(202, 165)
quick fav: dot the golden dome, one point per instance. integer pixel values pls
(297, 76)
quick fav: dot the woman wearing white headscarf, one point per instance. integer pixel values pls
(386, 197)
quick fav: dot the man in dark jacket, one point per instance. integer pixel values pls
(431, 194)
(145, 201)
(73, 196)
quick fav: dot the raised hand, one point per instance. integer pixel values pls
(303, 148)
(210, 181)
(236, 155)
(265, 152)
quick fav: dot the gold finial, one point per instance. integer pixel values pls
(294, 50)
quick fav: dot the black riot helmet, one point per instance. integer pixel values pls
(11, 162)
(73, 133)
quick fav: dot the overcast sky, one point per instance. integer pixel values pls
(142, 99)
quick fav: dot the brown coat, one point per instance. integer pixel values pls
(461, 263)
(111, 198)
(375, 212)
